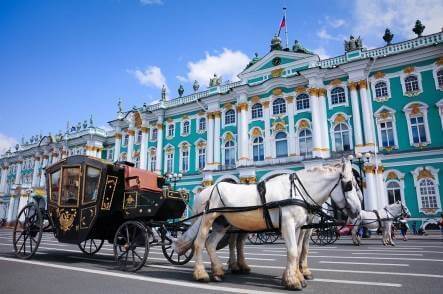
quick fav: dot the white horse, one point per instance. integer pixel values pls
(383, 221)
(320, 183)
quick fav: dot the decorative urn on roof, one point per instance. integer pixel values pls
(276, 43)
(418, 28)
(195, 86)
(388, 36)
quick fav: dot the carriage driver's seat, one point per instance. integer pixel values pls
(139, 179)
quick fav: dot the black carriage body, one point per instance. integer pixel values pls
(89, 198)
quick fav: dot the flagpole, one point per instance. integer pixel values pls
(286, 28)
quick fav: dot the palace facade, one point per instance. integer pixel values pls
(289, 110)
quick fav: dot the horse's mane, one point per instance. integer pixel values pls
(325, 169)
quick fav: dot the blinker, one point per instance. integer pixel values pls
(346, 186)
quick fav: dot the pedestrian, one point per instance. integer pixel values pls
(414, 228)
(404, 229)
(440, 224)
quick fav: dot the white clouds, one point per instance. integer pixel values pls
(6, 143)
(151, 2)
(371, 18)
(323, 34)
(227, 64)
(335, 22)
(181, 79)
(322, 53)
(150, 77)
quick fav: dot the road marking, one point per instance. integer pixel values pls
(171, 282)
(367, 257)
(357, 282)
(389, 254)
(364, 263)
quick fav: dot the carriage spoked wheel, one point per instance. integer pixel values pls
(171, 255)
(255, 239)
(28, 231)
(91, 246)
(268, 237)
(131, 246)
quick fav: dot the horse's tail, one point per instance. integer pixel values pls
(185, 241)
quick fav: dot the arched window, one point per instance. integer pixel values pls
(387, 134)
(169, 162)
(341, 137)
(139, 137)
(411, 84)
(279, 106)
(381, 89)
(281, 145)
(257, 110)
(440, 78)
(171, 130)
(305, 142)
(185, 160)
(230, 117)
(185, 130)
(154, 135)
(302, 101)
(125, 140)
(201, 158)
(338, 95)
(428, 193)
(394, 192)
(230, 154)
(258, 149)
(153, 160)
(418, 129)
(202, 124)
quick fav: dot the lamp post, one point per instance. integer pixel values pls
(360, 160)
(174, 178)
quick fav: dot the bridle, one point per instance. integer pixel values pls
(403, 213)
(346, 187)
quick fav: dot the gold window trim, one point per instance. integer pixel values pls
(79, 181)
(112, 194)
(50, 185)
(84, 183)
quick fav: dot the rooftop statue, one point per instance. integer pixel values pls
(164, 93)
(298, 48)
(195, 86)
(388, 36)
(181, 90)
(215, 81)
(254, 60)
(85, 124)
(276, 43)
(353, 44)
(418, 28)
(119, 105)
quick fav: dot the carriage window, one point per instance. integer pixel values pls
(70, 186)
(55, 185)
(92, 180)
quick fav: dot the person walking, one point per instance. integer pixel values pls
(404, 229)
(414, 228)
(440, 224)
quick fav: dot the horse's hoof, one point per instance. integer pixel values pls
(304, 284)
(294, 287)
(245, 271)
(202, 277)
(218, 278)
(308, 277)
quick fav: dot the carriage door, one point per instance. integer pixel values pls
(69, 200)
(91, 184)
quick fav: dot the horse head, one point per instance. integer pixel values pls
(350, 191)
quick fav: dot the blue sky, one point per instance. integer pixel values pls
(65, 60)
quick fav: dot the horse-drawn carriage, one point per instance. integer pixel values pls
(90, 201)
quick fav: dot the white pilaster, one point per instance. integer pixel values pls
(42, 175)
(210, 134)
(131, 134)
(291, 141)
(18, 175)
(324, 123)
(117, 145)
(356, 115)
(244, 132)
(370, 191)
(267, 119)
(367, 115)
(159, 150)
(35, 178)
(144, 148)
(316, 122)
(4, 175)
(217, 159)
(382, 199)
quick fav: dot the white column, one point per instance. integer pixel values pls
(370, 191)
(131, 134)
(291, 141)
(18, 175)
(356, 115)
(324, 123)
(244, 132)
(42, 175)
(267, 138)
(4, 175)
(382, 198)
(367, 114)
(158, 162)
(117, 146)
(35, 178)
(316, 122)
(217, 159)
(10, 217)
(210, 138)
(144, 148)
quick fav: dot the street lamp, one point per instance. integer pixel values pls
(174, 178)
(360, 160)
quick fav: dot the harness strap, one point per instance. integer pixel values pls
(378, 218)
(261, 189)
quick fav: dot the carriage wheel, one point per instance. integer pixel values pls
(268, 237)
(316, 238)
(254, 238)
(172, 256)
(131, 246)
(28, 233)
(91, 246)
